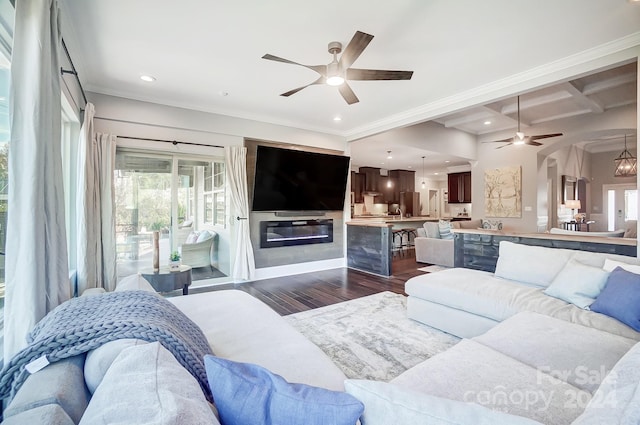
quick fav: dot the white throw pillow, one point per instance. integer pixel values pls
(146, 385)
(386, 404)
(134, 282)
(444, 227)
(578, 284)
(192, 238)
(99, 360)
(610, 265)
(203, 236)
(534, 265)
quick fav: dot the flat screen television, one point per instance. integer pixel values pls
(292, 180)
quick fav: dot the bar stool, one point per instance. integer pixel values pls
(410, 231)
(396, 240)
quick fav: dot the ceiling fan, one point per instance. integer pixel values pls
(338, 72)
(521, 139)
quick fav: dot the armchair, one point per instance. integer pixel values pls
(201, 252)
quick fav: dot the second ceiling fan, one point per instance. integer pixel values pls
(338, 72)
(521, 139)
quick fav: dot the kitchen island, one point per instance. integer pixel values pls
(370, 240)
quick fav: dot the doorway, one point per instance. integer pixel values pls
(433, 202)
(620, 204)
(182, 198)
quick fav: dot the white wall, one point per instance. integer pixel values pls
(126, 117)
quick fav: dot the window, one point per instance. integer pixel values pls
(214, 195)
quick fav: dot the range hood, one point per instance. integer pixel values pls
(371, 180)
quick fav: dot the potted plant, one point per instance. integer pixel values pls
(174, 261)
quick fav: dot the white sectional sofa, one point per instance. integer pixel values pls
(467, 303)
(237, 326)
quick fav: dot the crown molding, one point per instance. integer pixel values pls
(617, 51)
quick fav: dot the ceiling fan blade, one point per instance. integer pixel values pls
(320, 80)
(510, 139)
(532, 143)
(545, 136)
(320, 69)
(504, 146)
(354, 49)
(377, 74)
(348, 94)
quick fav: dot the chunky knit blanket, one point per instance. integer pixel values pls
(84, 323)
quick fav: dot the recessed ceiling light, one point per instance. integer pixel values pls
(336, 118)
(223, 93)
(436, 173)
(408, 166)
(147, 78)
(446, 162)
(487, 122)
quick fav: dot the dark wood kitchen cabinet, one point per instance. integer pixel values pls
(459, 188)
(357, 187)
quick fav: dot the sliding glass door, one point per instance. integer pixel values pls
(183, 198)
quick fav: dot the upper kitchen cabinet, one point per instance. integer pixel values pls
(459, 188)
(357, 187)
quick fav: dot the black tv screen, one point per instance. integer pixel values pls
(291, 180)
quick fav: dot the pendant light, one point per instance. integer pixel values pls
(626, 164)
(423, 183)
(389, 184)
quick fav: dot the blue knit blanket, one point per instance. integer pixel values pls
(84, 323)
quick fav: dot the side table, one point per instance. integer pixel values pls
(166, 280)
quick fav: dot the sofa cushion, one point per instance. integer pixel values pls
(524, 263)
(472, 372)
(100, 359)
(47, 414)
(247, 330)
(432, 229)
(617, 400)
(249, 394)
(481, 293)
(60, 383)
(620, 299)
(578, 284)
(573, 353)
(146, 385)
(390, 404)
(610, 265)
(467, 224)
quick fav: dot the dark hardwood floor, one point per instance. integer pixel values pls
(293, 294)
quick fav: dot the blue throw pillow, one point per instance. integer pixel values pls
(620, 298)
(250, 394)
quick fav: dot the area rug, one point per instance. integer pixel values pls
(371, 337)
(433, 269)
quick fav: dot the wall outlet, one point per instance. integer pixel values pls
(528, 209)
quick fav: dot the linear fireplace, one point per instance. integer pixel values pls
(295, 232)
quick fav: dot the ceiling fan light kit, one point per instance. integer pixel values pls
(338, 72)
(521, 139)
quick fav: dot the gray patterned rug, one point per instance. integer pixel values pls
(371, 337)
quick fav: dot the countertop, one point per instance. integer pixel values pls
(580, 236)
(396, 219)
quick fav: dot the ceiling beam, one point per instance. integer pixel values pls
(582, 99)
(474, 117)
(609, 83)
(512, 108)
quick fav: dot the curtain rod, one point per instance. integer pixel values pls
(173, 142)
(72, 71)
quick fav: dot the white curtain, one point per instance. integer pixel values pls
(244, 266)
(96, 252)
(37, 275)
